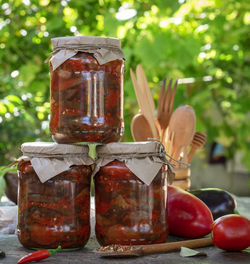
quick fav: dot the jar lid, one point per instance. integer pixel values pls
(61, 42)
(49, 159)
(144, 159)
(104, 49)
(144, 148)
(52, 148)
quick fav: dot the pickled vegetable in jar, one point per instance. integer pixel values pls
(130, 194)
(54, 209)
(86, 90)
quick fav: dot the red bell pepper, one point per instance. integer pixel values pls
(188, 216)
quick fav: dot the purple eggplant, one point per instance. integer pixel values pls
(220, 202)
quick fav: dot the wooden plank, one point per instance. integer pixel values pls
(14, 251)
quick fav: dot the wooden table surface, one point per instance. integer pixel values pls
(14, 251)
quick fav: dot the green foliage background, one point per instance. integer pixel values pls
(185, 39)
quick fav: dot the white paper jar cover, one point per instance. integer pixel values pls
(49, 159)
(104, 49)
(144, 159)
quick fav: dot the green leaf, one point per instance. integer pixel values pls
(236, 212)
(247, 250)
(92, 151)
(3, 109)
(2, 187)
(187, 252)
(14, 99)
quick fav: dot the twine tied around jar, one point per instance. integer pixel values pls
(144, 159)
(168, 162)
(186, 165)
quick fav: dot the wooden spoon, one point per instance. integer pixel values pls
(199, 140)
(182, 123)
(136, 251)
(140, 128)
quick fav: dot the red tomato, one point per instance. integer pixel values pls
(188, 216)
(231, 232)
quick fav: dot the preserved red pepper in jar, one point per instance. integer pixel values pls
(54, 195)
(86, 90)
(130, 194)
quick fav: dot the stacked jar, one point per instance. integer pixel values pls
(54, 178)
(131, 193)
(86, 106)
(86, 90)
(54, 195)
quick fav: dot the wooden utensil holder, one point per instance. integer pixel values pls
(182, 178)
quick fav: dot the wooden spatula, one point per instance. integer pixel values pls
(136, 251)
(142, 79)
(147, 99)
(143, 103)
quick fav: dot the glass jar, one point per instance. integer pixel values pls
(86, 91)
(128, 210)
(56, 212)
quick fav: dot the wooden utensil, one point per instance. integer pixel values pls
(137, 89)
(143, 103)
(165, 105)
(168, 141)
(182, 123)
(199, 140)
(148, 102)
(140, 128)
(158, 127)
(142, 79)
(136, 251)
